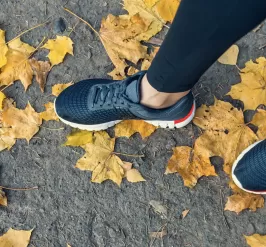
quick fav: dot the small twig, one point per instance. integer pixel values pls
(73, 29)
(19, 189)
(130, 155)
(263, 46)
(26, 31)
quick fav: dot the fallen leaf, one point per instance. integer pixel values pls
(230, 56)
(118, 37)
(68, 245)
(158, 235)
(58, 88)
(147, 13)
(256, 240)
(2, 97)
(259, 120)
(15, 238)
(167, 9)
(252, 88)
(40, 70)
(3, 49)
(49, 113)
(134, 176)
(3, 199)
(100, 159)
(22, 123)
(159, 208)
(58, 47)
(127, 166)
(147, 62)
(7, 138)
(242, 200)
(226, 133)
(128, 127)
(150, 3)
(17, 68)
(184, 213)
(79, 138)
(190, 164)
(131, 71)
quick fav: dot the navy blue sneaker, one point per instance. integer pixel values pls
(249, 170)
(98, 104)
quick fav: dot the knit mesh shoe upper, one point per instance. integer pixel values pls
(250, 170)
(99, 101)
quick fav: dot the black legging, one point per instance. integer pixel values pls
(200, 33)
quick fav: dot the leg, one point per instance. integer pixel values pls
(200, 33)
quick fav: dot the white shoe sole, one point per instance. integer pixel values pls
(236, 181)
(158, 123)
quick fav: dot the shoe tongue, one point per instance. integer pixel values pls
(133, 90)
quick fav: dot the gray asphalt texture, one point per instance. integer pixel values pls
(68, 208)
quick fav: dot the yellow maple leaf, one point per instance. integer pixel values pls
(190, 164)
(230, 56)
(148, 13)
(58, 88)
(100, 159)
(118, 35)
(128, 127)
(49, 113)
(15, 238)
(252, 88)
(256, 240)
(259, 120)
(79, 138)
(7, 138)
(226, 133)
(22, 123)
(167, 9)
(58, 47)
(3, 49)
(17, 68)
(3, 199)
(40, 70)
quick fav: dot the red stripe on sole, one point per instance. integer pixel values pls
(187, 116)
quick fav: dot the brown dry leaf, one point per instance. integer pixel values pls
(2, 97)
(58, 88)
(158, 234)
(167, 9)
(256, 240)
(242, 200)
(3, 199)
(18, 65)
(190, 164)
(58, 47)
(259, 120)
(115, 74)
(3, 49)
(100, 159)
(22, 123)
(49, 113)
(131, 71)
(79, 138)
(185, 213)
(40, 70)
(15, 238)
(226, 133)
(128, 127)
(252, 88)
(118, 35)
(230, 56)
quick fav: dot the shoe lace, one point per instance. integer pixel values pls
(110, 94)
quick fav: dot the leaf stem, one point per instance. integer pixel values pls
(130, 155)
(19, 189)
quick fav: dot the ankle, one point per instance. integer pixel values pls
(152, 98)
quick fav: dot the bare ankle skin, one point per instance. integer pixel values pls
(152, 98)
